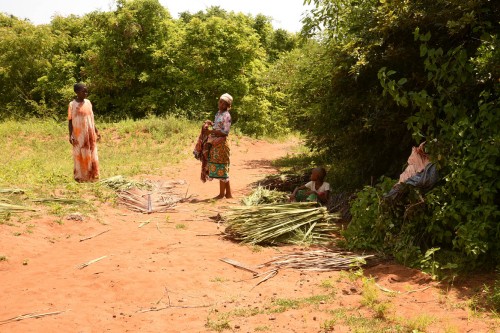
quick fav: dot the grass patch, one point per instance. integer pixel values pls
(256, 248)
(328, 325)
(218, 279)
(218, 324)
(351, 275)
(181, 226)
(370, 292)
(284, 304)
(37, 156)
(371, 299)
(38, 159)
(246, 312)
(327, 285)
(418, 323)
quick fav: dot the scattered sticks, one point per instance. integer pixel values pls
(239, 265)
(319, 260)
(11, 191)
(88, 263)
(90, 237)
(159, 197)
(272, 274)
(30, 315)
(399, 292)
(154, 308)
(144, 223)
(206, 235)
(173, 307)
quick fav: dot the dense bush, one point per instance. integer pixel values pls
(455, 108)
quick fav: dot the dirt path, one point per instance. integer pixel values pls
(167, 277)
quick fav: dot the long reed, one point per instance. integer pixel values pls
(291, 223)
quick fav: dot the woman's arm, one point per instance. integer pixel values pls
(323, 196)
(217, 133)
(97, 134)
(70, 129)
(298, 188)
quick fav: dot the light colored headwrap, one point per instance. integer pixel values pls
(228, 98)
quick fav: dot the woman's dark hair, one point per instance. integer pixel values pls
(78, 87)
(322, 173)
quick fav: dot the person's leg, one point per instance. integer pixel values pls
(228, 190)
(222, 189)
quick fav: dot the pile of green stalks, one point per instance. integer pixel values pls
(292, 223)
(285, 182)
(120, 183)
(262, 195)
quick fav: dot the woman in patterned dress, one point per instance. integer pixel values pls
(83, 135)
(218, 156)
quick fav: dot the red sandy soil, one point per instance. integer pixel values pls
(172, 265)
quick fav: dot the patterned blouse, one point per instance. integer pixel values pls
(222, 122)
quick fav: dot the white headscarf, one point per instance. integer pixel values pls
(228, 98)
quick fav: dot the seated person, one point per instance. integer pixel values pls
(316, 190)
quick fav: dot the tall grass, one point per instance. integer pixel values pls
(37, 156)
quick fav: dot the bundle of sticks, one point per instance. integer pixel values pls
(161, 197)
(320, 260)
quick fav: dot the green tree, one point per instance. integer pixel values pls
(34, 69)
(448, 98)
(218, 55)
(122, 59)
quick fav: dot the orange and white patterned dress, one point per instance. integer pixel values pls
(86, 166)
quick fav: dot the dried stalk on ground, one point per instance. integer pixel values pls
(11, 191)
(9, 208)
(30, 315)
(319, 260)
(90, 237)
(61, 200)
(81, 266)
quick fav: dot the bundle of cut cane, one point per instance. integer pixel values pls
(292, 223)
(319, 260)
(262, 195)
(284, 182)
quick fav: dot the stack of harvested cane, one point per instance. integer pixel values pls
(284, 182)
(320, 260)
(292, 223)
(262, 195)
